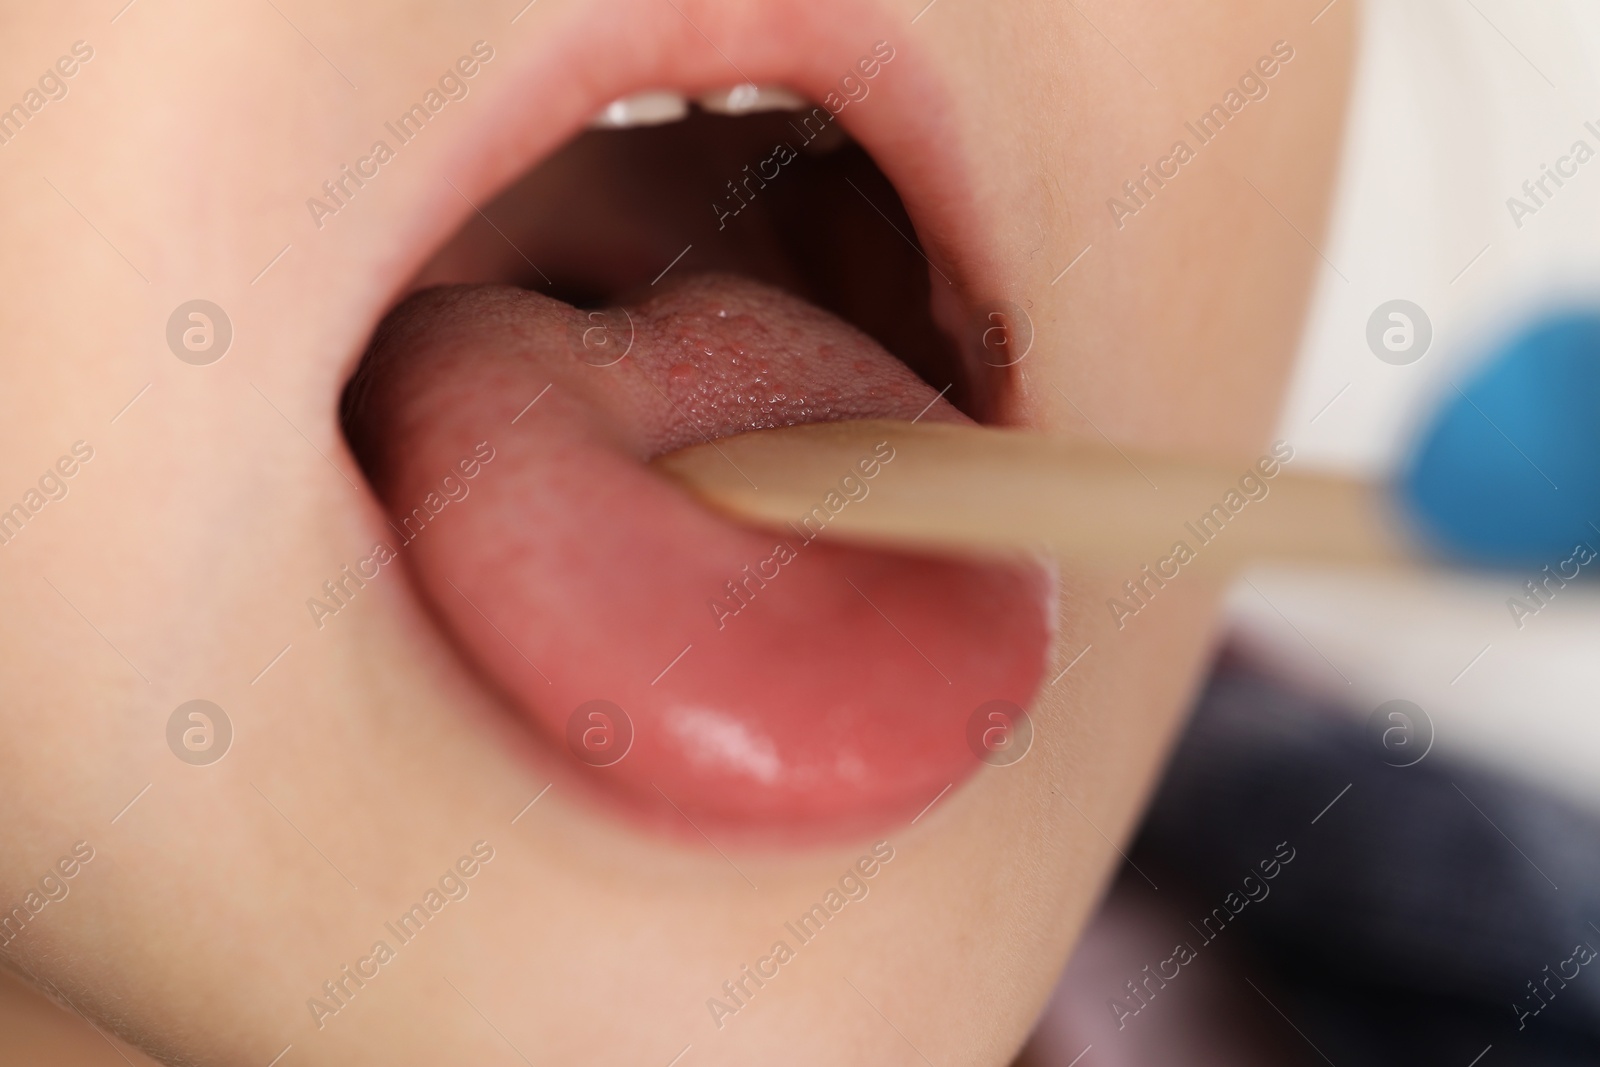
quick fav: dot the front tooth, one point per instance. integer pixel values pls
(747, 99)
(652, 108)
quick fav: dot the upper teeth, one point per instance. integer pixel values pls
(658, 106)
(642, 109)
(746, 99)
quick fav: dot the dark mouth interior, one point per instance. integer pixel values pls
(600, 220)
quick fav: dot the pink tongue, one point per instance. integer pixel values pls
(765, 678)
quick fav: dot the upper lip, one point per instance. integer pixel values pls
(593, 54)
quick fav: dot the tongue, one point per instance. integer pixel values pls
(688, 666)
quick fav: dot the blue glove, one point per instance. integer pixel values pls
(1508, 472)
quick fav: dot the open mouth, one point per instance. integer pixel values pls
(702, 261)
(781, 196)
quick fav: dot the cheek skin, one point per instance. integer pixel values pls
(583, 941)
(1132, 338)
(1174, 333)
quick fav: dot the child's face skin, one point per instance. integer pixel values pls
(371, 756)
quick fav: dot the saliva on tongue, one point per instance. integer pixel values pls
(691, 668)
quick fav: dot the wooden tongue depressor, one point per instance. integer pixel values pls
(968, 489)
